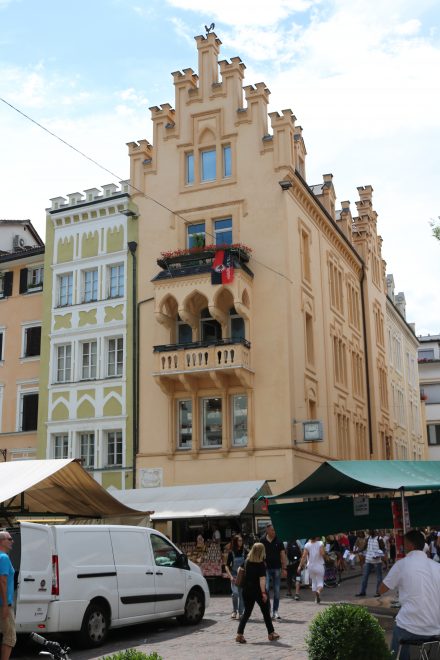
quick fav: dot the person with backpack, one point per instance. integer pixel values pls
(293, 552)
(236, 558)
(373, 561)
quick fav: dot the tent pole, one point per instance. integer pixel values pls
(402, 500)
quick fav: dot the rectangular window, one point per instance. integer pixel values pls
(116, 281)
(223, 231)
(115, 358)
(195, 235)
(239, 420)
(87, 449)
(65, 289)
(6, 281)
(433, 434)
(184, 424)
(425, 354)
(90, 285)
(212, 422)
(305, 256)
(208, 165)
(310, 350)
(227, 161)
(61, 446)
(35, 277)
(32, 341)
(189, 168)
(2, 343)
(88, 360)
(114, 448)
(29, 412)
(64, 363)
(184, 332)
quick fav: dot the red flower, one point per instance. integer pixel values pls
(169, 254)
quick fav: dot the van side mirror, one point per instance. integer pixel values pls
(182, 561)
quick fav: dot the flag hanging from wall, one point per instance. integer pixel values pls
(222, 271)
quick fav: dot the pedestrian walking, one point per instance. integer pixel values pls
(254, 591)
(7, 621)
(418, 580)
(236, 558)
(293, 552)
(359, 548)
(313, 556)
(373, 561)
(276, 564)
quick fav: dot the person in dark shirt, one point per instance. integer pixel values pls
(236, 558)
(254, 591)
(293, 552)
(276, 564)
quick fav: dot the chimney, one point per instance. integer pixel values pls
(400, 303)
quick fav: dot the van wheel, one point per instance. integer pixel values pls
(95, 625)
(194, 609)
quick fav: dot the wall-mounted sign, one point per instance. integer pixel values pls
(361, 506)
(151, 477)
(312, 429)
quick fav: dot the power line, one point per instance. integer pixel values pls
(119, 178)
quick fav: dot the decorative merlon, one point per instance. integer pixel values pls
(89, 195)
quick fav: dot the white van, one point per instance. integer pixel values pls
(89, 578)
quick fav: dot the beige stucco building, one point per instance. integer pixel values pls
(231, 373)
(408, 409)
(21, 311)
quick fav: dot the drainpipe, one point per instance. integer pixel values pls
(367, 372)
(132, 247)
(138, 374)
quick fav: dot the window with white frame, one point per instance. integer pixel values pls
(227, 161)
(65, 289)
(60, 445)
(114, 448)
(223, 231)
(239, 405)
(195, 234)
(64, 363)
(189, 168)
(184, 424)
(115, 356)
(35, 277)
(89, 360)
(87, 449)
(90, 285)
(212, 422)
(2, 344)
(31, 341)
(208, 165)
(116, 281)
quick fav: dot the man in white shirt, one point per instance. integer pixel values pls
(418, 580)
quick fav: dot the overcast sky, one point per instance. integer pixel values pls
(361, 77)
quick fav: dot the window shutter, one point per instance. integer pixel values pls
(7, 284)
(23, 280)
(30, 412)
(1, 346)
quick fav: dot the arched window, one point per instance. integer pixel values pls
(210, 329)
(237, 325)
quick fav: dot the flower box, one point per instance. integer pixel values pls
(204, 254)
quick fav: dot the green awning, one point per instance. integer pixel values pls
(348, 477)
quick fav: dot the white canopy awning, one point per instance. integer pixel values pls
(221, 500)
(57, 486)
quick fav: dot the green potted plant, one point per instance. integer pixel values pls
(346, 632)
(132, 654)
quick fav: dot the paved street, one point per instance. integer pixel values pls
(214, 637)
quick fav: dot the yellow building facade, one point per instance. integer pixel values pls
(261, 306)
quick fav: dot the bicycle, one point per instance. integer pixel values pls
(429, 647)
(54, 650)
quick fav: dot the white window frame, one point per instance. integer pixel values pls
(65, 446)
(204, 444)
(56, 362)
(118, 294)
(232, 399)
(21, 394)
(39, 272)
(89, 366)
(120, 440)
(25, 327)
(92, 295)
(117, 372)
(91, 435)
(202, 152)
(180, 445)
(60, 279)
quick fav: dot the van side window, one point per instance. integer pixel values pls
(164, 553)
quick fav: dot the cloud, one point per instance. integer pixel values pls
(246, 12)
(182, 30)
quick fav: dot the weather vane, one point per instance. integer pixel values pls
(210, 28)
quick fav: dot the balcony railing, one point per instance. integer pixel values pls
(199, 261)
(221, 354)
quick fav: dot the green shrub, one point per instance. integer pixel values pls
(346, 632)
(132, 654)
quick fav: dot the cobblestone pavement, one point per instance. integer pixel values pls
(214, 637)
